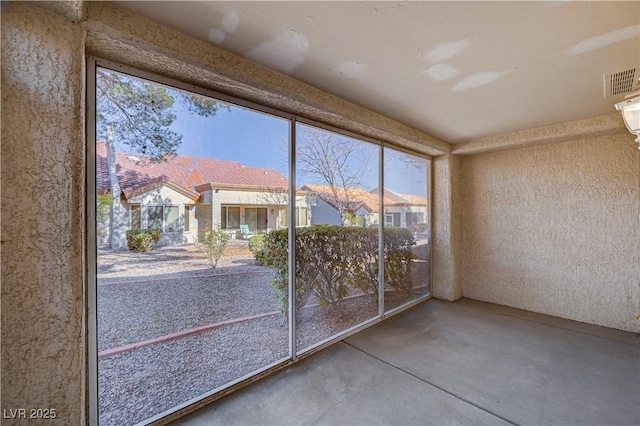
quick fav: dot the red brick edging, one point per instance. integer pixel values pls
(192, 331)
(178, 335)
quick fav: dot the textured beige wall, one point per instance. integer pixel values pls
(43, 334)
(555, 229)
(447, 228)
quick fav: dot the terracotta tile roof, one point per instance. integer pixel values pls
(135, 171)
(358, 197)
(392, 198)
(361, 198)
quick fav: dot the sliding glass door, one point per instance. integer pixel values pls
(337, 256)
(407, 245)
(198, 282)
(182, 310)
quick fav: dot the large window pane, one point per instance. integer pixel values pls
(178, 321)
(233, 217)
(406, 233)
(199, 310)
(337, 281)
(171, 218)
(136, 217)
(251, 218)
(154, 217)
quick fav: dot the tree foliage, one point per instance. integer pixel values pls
(336, 162)
(139, 113)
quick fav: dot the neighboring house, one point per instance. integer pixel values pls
(181, 195)
(405, 210)
(362, 207)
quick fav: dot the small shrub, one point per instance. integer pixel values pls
(259, 249)
(276, 254)
(399, 259)
(142, 240)
(212, 243)
(333, 260)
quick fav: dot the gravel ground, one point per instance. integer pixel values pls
(133, 312)
(136, 385)
(147, 295)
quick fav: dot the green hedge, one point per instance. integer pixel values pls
(141, 240)
(333, 260)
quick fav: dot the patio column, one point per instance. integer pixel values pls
(447, 228)
(43, 193)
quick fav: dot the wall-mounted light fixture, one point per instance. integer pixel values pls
(630, 109)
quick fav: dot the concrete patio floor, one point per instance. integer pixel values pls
(445, 363)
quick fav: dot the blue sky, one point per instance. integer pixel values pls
(260, 140)
(251, 138)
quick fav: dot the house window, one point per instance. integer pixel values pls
(242, 178)
(164, 218)
(136, 216)
(408, 179)
(302, 216)
(414, 219)
(256, 218)
(154, 217)
(171, 218)
(187, 218)
(388, 220)
(230, 217)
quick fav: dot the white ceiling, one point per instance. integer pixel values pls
(455, 70)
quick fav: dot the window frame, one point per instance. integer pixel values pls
(92, 64)
(165, 208)
(148, 208)
(188, 208)
(224, 219)
(138, 207)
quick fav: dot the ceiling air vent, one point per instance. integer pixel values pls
(619, 83)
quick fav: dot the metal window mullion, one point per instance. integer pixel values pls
(430, 184)
(292, 239)
(381, 231)
(90, 244)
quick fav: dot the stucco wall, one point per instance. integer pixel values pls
(43, 333)
(447, 228)
(555, 229)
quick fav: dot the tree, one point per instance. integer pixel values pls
(139, 113)
(336, 162)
